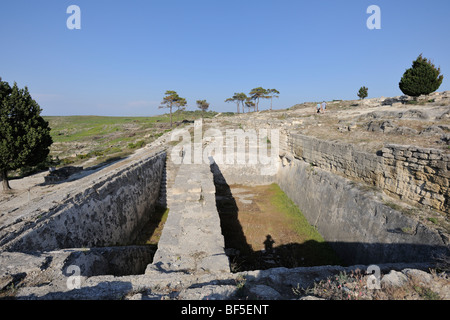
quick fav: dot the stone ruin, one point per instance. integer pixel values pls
(75, 243)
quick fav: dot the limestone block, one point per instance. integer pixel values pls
(407, 153)
(394, 279)
(434, 156)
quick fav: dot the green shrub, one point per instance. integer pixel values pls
(137, 145)
(363, 93)
(422, 78)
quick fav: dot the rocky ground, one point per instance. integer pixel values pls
(367, 124)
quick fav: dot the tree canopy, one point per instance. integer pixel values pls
(24, 135)
(173, 100)
(252, 101)
(363, 93)
(272, 93)
(422, 78)
(202, 105)
(238, 98)
(258, 93)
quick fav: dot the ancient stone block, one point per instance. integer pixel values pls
(400, 158)
(407, 153)
(432, 187)
(420, 176)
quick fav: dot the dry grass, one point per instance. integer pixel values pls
(354, 286)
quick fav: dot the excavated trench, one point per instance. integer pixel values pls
(264, 229)
(349, 227)
(349, 224)
(97, 225)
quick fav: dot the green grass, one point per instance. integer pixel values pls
(314, 249)
(79, 138)
(298, 221)
(152, 230)
(287, 232)
(79, 128)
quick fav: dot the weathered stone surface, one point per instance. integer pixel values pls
(192, 240)
(264, 292)
(104, 212)
(394, 279)
(359, 227)
(396, 163)
(191, 262)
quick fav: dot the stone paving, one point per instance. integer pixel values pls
(192, 238)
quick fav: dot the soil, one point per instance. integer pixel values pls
(152, 230)
(264, 229)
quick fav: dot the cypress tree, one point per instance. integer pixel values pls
(24, 135)
(422, 78)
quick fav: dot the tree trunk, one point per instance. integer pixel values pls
(5, 181)
(171, 116)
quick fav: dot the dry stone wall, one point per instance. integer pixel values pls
(419, 176)
(353, 221)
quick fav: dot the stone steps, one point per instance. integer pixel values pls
(168, 179)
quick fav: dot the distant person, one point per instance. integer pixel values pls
(318, 108)
(324, 106)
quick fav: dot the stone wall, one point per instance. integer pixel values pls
(419, 176)
(359, 227)
(103, 212)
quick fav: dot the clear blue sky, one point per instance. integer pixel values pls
(128, 53)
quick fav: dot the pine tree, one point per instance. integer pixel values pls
(363, 93)
(272, 93)
(24, 135)
(202, 105)
(171, 100)
(422, 78)
(258, 93)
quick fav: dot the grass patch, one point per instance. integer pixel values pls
(152, 230)
(269, 231)
(137, 145)
(295, 218)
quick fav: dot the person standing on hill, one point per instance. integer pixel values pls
(324, 106)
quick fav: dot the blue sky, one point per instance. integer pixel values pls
(128, 53)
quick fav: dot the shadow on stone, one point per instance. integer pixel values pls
(310, 253)
(228, 213)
